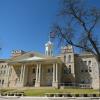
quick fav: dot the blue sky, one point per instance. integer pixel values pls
(25, 24)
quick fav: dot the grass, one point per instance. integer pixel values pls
(42, 91)
(6, 90)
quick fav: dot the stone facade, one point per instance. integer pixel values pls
(36, 70)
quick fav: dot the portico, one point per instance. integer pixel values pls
(36, 73)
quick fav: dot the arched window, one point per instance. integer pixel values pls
(64, 58)
(69, 58)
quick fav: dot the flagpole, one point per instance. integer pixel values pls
(49, 37)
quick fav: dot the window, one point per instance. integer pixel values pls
(82, 81)
(10, 71)
(90, 69)
(2, 66)
(69, 58)
(4, 72)
(82, 71)
(5, 66)
(33, 71)
(2, 82)
(64, 58)
(69, 69)
(85, 62)
(48, 70)
(86, 70)
(89, 63)
(65, 70)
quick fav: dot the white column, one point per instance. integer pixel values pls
(39, 78)
(21, 74)
(37, 72)
(54, 72)
(55, 75)
(8, 70)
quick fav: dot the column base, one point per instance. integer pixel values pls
(37, 84)
(55, 85)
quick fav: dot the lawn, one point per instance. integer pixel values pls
(42, 91)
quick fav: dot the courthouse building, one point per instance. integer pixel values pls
(24, 69)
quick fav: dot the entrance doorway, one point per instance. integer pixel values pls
(33, 82)
(49, 82)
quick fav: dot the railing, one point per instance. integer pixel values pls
(70, 95)
(12, 94)
(79, 85)
(85, 86)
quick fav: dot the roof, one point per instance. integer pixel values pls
(85, 54)
(32, 56)
(3, 60)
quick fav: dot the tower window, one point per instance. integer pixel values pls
(64, 58)
(69, 58)
(89, 63)
(69, 69)
(85, 62)
(90, 69)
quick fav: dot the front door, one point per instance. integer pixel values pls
(49, 82)
(33, 82)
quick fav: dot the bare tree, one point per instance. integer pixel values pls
(79, 28)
